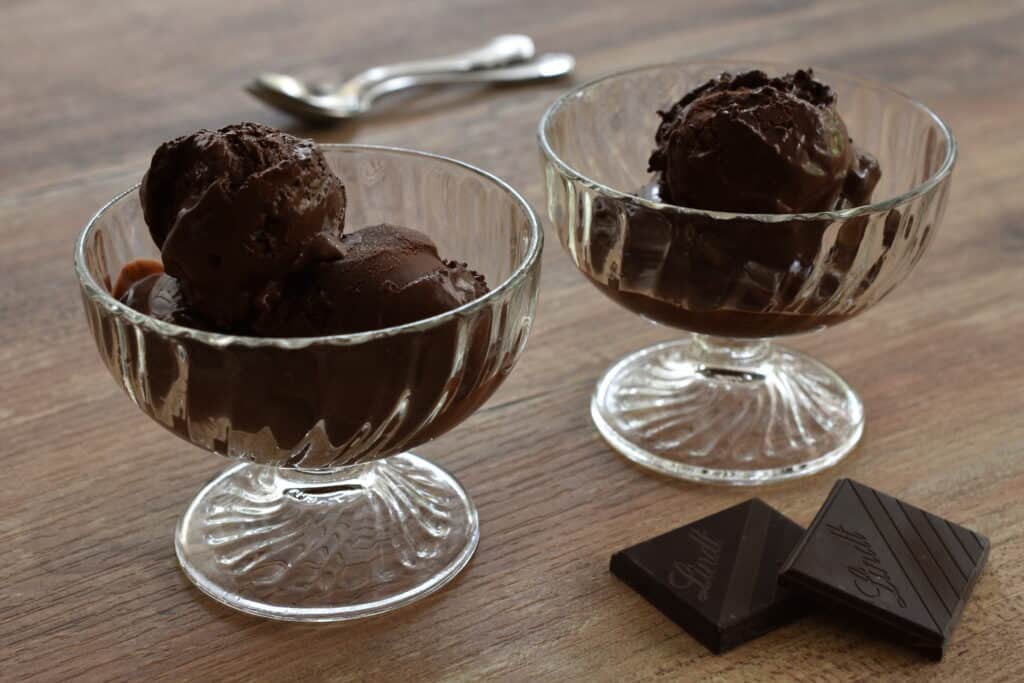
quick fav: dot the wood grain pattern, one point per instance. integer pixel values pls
(89, 585)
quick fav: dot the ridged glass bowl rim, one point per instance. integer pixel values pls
(98, 292)
(943, 172)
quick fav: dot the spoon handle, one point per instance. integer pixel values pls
(498, 52)
(549, 65)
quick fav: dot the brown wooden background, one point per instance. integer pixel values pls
(90, 490)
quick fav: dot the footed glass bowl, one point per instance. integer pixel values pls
(327, 516)
(724, 404)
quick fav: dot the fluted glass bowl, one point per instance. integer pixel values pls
(723, 404)
(328, 516)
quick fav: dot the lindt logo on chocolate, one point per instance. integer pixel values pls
(700, 573)
(870, 578)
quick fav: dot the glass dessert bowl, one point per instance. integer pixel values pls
(725, 404)
(328, 516)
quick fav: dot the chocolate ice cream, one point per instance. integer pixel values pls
(741, 144)
(249, 222)
(753, 144)
(385, 276)
(231, 210)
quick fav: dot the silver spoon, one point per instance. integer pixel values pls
(504, 59)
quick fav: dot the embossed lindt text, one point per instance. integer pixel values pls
(701, 572)
(869, 577)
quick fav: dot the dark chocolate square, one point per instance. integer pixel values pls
(718, 577)
(900, 568)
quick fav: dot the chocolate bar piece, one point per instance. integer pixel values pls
(718, 577)
(903, 569)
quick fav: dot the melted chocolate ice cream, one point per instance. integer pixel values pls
(250, 225)
(159, 295)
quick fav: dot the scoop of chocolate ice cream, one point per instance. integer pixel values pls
(232, 209)
(753, 144)
(384, 276)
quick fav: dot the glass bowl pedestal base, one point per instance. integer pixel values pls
(727, 411)
(327, 546)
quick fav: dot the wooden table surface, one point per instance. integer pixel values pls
(91, 490)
